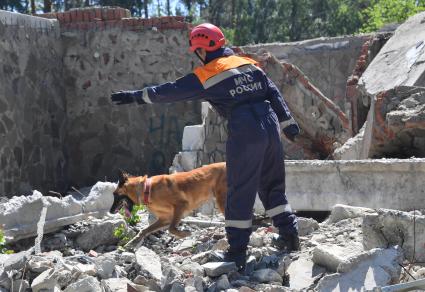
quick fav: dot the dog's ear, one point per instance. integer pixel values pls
(123, 177)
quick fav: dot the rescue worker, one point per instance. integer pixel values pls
(241, 92)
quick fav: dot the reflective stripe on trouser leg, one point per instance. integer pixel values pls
(278, 210)
(245, 148)
(272, 183)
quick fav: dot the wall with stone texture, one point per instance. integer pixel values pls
(58, 127)
(32, 104)
(103, 137)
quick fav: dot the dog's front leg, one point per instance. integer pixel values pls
(137, 240)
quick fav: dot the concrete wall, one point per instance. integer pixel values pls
(328, 62)
(32, 104)
(383, 183)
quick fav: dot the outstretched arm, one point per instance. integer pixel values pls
(183, 89)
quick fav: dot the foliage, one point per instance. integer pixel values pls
(122, 231)
(122, 234)
(383, 12)
(134, 217)
(3, 249)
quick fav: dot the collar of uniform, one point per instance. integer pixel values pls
(222, 52)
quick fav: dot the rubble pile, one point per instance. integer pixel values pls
(355, 248)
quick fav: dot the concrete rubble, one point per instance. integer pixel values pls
(19, 216)
(356, 248)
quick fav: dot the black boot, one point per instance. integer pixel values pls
(238, 257)
(287, 242)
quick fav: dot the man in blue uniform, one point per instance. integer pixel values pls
(241, 92)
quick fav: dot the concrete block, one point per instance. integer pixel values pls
(189, 160)
(115, 284)
(303, 272)
(20, 214)
(215, 269)
(45, 281)
(320, 185)
(306, 226)
(86, 284)
(378, 267)
(391, 227)
(332, 256)
(193, 138)
(99, 232)
(340, 212)
(149, 262)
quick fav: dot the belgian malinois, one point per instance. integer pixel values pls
(171, 197)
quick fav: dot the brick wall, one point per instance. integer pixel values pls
(107, 17)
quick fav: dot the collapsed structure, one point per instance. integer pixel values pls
(355, 98)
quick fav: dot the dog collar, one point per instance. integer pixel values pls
(147, 190)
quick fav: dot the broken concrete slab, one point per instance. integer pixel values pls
(400, 61)
(340, 212)
(105, 266)
(306, 226)
(87, 284)
(396, 124)
(416, 285)
(319, 185)
(100, 232)
(267, 276)
(45, 281)
(303, 272)
(115, 284)
(215, 269)
(149, 262)
(20, 214)
(193, 138)
(377, 267)
(332, 256)
(392, 227)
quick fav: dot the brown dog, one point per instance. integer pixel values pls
(171, 197)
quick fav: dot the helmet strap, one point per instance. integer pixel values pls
(199, 57)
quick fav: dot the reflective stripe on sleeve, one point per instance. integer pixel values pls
(287, 123)
(243, 224)
(278, 210)
(145, 96)
(228, 73)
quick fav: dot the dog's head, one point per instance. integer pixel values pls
(129, 187)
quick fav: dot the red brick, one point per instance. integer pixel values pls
(122, 13)
(61, 17)
(98, 13)
(110, 14)
(66, 17)
(73, 15)
(149, 22)
(156, 22)
(80, 15)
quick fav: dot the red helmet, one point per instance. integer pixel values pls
(206, 36)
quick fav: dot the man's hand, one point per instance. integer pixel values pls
(122, 97)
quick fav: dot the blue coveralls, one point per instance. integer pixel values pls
(242, 93)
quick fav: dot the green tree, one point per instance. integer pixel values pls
(383, 12)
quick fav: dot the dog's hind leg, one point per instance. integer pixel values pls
(178, 215)
(136, 241)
